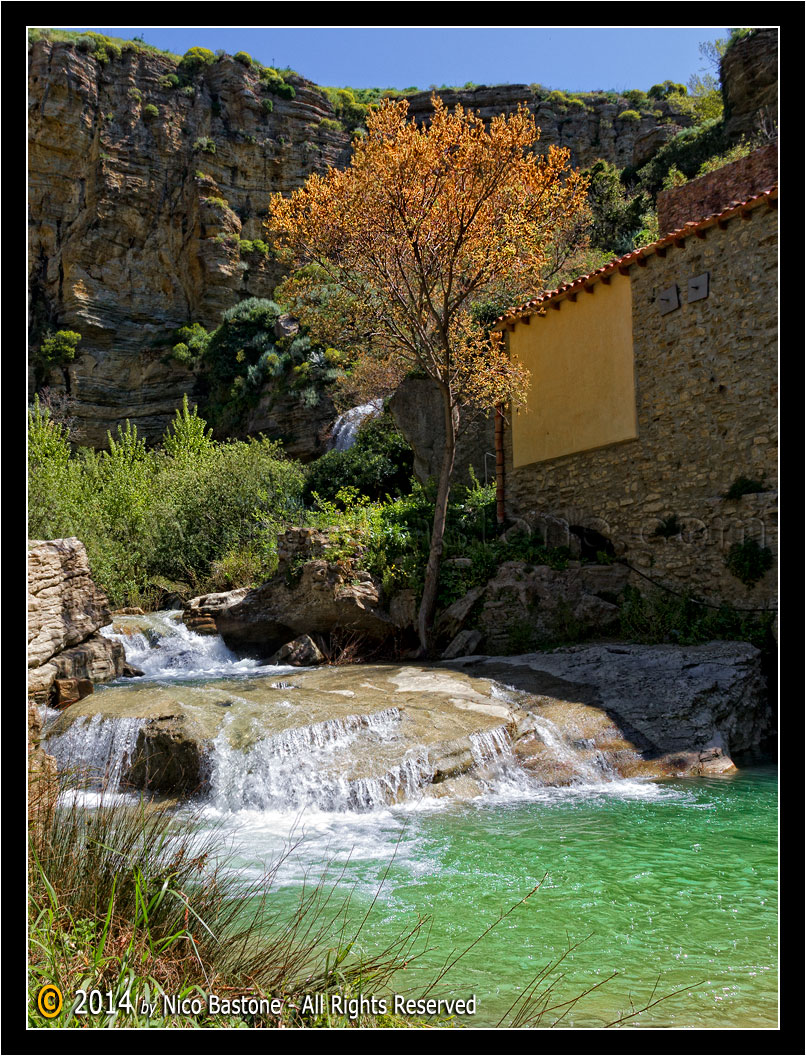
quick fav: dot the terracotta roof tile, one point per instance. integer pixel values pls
(537, 304)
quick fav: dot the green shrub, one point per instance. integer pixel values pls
(745, 486)
(659, 616)
(267, 106)
(136, 94)
(668, 88)
(150, 111)
(687, 151)
(749, 561)
(58, 349)
(170, 80)
(243, 57)
(329, 123)
(189, 91)
(216, 203)
(169, 512)
(205, 144)
(194, 60)
(629, 115)
(379, 463)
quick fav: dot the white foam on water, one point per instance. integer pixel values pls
(98, 749)
(167, 649)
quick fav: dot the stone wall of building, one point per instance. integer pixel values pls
(717, 190)
(706, 394)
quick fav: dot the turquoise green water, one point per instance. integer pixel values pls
(671, 884)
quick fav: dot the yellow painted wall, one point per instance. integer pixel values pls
(582, 385)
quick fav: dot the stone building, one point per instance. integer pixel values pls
(653, 394)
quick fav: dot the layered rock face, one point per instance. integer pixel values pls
(689, 710)
(136, 218)
(65, 611)
(590, 132)
(750, 84)
(125, 214)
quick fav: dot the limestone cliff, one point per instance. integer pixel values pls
(124, 244)
(142, 192)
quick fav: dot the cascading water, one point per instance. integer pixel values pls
(301, 743)
(347, 425)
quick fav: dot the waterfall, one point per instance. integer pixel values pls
(97, 750)
(347, 425)
(163, 647)
(314, 766)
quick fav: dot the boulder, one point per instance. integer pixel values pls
(529, 605)
(302, 652)
(64, 605)
(685, 709)
(325, 598)
(169, 756)
(464, 644)
(65, 611)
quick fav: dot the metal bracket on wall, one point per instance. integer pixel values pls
(698, 287)
(668, 300)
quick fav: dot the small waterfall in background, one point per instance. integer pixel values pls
(347, 425)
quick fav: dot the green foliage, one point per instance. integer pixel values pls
(256, 245)
(740, 33)
(674, 178)
(687, 152)
(194, 60)
(617, 215)
(216, 203)
(169, 512)
(629, 115)
(378, 464)
(749, 561)
(57, 350)
(739, 150)
(273, 82)
(205, 144)
(192, 343)
(745, 486)
(331, 124)
(659, 616)
(637, 99)
(113, 47)
(170, 80)
(267, 106)
(665, 90)
(136, 94)
(150, 111)
(190, 92)
(243, 57)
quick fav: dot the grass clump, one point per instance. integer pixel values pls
(131, 900)
(745, 486)
(749, 561)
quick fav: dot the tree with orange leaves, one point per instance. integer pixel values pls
(426, 222)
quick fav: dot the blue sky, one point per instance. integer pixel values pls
(574, 59)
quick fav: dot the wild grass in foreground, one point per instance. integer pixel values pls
(131, 901)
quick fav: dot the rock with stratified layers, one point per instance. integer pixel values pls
(749, 76)
(65, 611)
(683, 709)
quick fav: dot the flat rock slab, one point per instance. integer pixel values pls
(692, 706)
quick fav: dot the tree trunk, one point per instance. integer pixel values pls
(429, 599)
